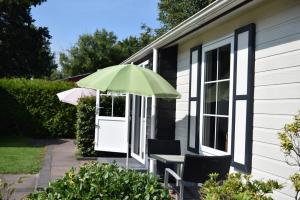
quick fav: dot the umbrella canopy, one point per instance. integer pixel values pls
(130, 79)
(72, 96)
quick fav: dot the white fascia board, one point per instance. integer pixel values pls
(210, 12)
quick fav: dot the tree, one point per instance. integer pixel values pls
(90, 53)
(101, 49)
(24, 48)
(290, 145)
(132, 44)
(172, 12)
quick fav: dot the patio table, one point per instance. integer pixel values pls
(168, 159)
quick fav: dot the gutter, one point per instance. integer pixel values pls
(202, 18)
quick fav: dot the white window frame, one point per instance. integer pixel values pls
(208, 47)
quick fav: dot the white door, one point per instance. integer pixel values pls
(112, 122)
(139, 128)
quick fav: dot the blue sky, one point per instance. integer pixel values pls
(67, 19)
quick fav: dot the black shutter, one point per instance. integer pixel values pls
(243, 89)
(195, 99)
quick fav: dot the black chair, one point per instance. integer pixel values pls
(168, 147)
(196, 169)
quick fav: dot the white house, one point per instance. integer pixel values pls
(237, 65)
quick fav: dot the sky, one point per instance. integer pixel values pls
(68, 19)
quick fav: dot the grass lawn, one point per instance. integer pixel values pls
(18, 156)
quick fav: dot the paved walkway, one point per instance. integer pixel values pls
(63, 158)
(60, 157)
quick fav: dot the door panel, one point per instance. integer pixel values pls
(112, 122)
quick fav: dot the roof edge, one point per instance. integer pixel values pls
(208, 13)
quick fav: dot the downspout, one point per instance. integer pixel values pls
(152, 164)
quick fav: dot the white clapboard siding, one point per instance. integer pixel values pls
(284, 91)
(182, 72)
(276, 93)
(271, 151)
(277, 106)
(268, 136)
(271, 121)
(283, 45)
(276, 77)
(273, 167)
(181, 114)
(281, 31)
(184, 80)
(287, 193)
(278, 61)
(183, 106)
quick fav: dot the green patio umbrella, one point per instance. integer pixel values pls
(129, 78)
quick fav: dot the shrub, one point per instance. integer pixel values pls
(105, 182)
(238, 186)
(289, 143)
(85, 126)
(32, 107)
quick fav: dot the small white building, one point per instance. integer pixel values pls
(237, 65)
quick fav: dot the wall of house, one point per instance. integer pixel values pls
(277, 81)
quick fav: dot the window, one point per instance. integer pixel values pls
(215, 98)
(112, 105)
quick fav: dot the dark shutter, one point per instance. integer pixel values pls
(243, 89)
(194, 99)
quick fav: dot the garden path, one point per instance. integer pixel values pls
(59, 158)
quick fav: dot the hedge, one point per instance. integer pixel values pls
(31, 107)
(85, 126)
(105, 182)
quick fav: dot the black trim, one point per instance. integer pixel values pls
(209, 21)
(249, 98)
(197, 98)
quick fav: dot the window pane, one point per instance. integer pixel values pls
(224, 62)
(211, 65)
(119, 106)
(208, 137)
(223, 98)
(222, 134)
(105, 106)
(210, 98)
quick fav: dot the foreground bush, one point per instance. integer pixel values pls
(289, 143)
(85, 126)
(238, 187)
(32, 107)
(105, 182)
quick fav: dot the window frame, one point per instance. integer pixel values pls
(208, 47)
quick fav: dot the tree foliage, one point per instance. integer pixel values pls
(290, 145)
(172, 12)
(101, 49)
(24, 48)
(90, 53)
(238, 186)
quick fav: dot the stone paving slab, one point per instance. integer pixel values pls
(28, 184)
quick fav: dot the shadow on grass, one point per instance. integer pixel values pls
(15, 140)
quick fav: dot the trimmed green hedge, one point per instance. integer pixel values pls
(85, 126)
(105, 182)
(31, 107)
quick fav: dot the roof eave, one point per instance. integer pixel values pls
(208, 13)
